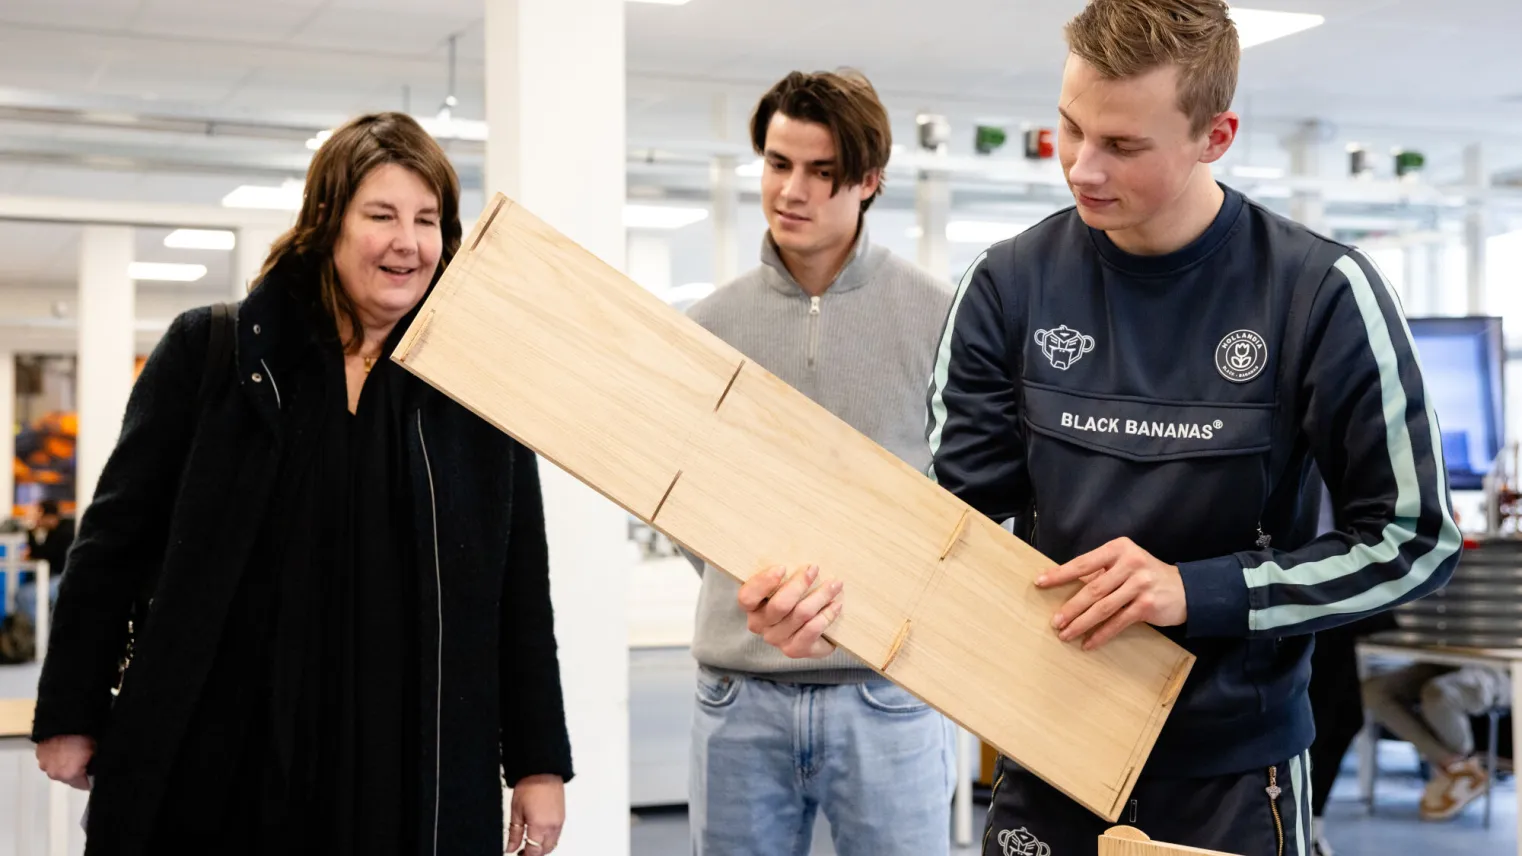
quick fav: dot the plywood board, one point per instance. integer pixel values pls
(16, 717)
(597, 375)
(1129, 841)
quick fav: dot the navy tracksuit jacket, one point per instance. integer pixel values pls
(1187, 401)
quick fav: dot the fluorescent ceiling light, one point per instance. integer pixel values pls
(980, 232)
(1269, 173)
(1256, 26)
(286, 197)
(752, 169)
(200, 239)
(321, 137)
(165, 272)
(661, 216)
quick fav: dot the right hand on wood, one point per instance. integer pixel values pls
(781, 610)
(66, 759)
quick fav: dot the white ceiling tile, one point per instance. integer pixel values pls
(101, 14)
(30, 250)
(79, 183)
(375, 8)
(230, 20)
(410, 33)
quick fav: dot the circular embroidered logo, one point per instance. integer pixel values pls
(1241, 356)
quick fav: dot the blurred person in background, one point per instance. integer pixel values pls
(50, 537)
(845, 322)
(1430, 706)
(348, 643)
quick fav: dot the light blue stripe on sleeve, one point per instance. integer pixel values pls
(1400, 530)
(943, 365)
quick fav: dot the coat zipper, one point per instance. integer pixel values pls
(813, 331)
(993, 799)
(438, 580)
(1273, 804)
(275, 386)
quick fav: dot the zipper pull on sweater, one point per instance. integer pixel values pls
(813, 354)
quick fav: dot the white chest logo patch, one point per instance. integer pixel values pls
(1063, 346)
(1020, 842)
(1241, 356)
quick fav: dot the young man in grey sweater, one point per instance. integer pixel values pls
(854, 328)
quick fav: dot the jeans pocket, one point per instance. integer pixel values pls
(888, 697)
(715, 690)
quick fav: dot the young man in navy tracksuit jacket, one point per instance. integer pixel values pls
(1150, 387)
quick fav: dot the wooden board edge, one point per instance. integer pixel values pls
(419, 328)
(458, 265)
(473, 240)
(1154, 727)
(1130, 840)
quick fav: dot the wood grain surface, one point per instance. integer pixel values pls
(597, 375)
(1130, 841)
(16, 717)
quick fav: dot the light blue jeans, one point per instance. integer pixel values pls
(767, 757)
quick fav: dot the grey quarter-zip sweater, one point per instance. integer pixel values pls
(864, 350)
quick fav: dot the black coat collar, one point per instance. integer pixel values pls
(281, 322)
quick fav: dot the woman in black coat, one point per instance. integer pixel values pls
(349, 647)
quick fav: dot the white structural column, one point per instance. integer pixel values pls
(932, 206)
(248, 258)
(1476, 229)
(7, 431)
(726, 199)
(1437, 269)
(1307, 207)
(555, 84)
(1414, 283)
(107, 316)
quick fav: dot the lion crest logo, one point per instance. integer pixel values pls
(1063, 346)
(1020, 842)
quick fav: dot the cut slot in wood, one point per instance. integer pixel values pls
(415, 336)
(727, 387)
(665, 496)
(486, 227)
(1128, 782)
(898, 644)
(956, 534)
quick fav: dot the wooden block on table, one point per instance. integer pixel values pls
(577, 362)
(1130, 841)
(16, 717)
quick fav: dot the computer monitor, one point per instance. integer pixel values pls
(1463, 364)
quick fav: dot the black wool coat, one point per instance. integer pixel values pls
(179, 508)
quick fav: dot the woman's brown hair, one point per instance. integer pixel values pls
(335, 174)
